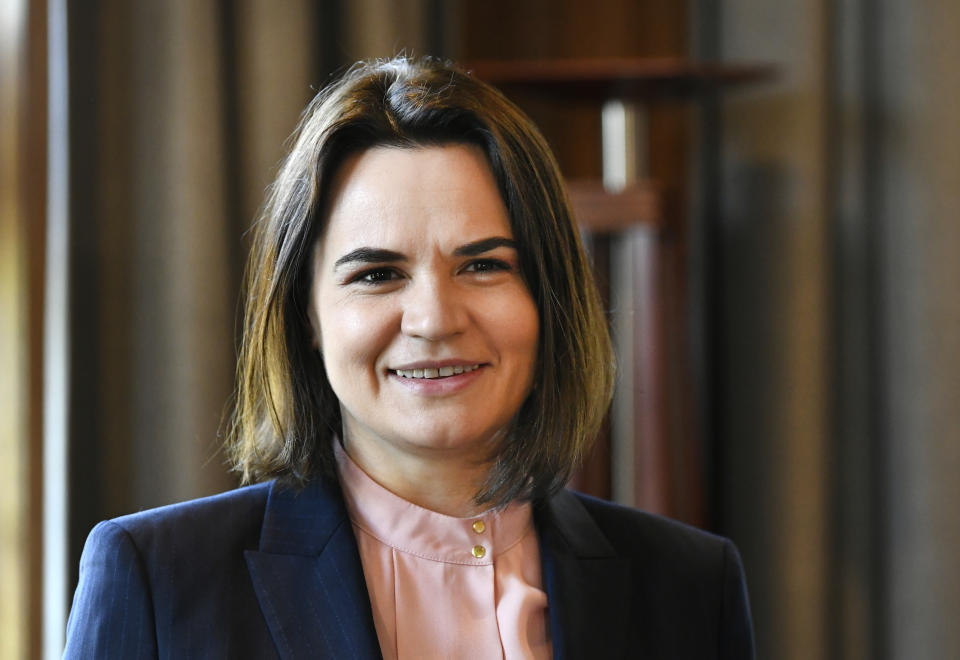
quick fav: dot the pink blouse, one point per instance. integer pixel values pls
(445, 587)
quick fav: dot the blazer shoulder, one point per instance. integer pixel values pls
(627, 526)
(686, 574)
(243, 501)
(675, 553)
(97, 627)
(232, 519)
(173, 581)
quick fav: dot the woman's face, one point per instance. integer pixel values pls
(428, 332)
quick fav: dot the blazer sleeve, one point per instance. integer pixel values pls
(112, 614)
(736, 625)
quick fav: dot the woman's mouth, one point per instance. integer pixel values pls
(436, 372)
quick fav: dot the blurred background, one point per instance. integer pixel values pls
(776, 234)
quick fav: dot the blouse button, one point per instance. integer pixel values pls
(479, 527)
(479, 551)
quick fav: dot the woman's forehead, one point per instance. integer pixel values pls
(392, 194)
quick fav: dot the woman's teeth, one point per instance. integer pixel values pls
(441, 372)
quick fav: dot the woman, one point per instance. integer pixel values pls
(424, 361)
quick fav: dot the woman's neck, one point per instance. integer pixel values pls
(434, 479)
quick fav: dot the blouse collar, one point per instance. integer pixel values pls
(411, 529)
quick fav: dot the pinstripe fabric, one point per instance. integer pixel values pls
(172, 583)
(263, 572)
(123, 613)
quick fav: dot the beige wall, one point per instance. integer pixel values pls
(14, 343)
(22, 178)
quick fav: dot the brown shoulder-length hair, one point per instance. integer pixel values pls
(286, 414)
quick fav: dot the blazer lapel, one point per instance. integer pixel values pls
(308, 577)
(587, 583)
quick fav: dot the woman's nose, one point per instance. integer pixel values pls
(434, 309)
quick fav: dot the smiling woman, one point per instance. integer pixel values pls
(424, 361)
(361, 142)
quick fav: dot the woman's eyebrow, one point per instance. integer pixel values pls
(484, 245)
(369, 255)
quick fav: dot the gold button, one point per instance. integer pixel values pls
(479, 527)
(479, 551)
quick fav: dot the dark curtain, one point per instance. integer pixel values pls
(179, 111)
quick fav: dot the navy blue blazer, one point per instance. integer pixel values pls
(266, 572)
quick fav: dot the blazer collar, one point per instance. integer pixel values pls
(309, 580)
(308, 577)
(587, 583)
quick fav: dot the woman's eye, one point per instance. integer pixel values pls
(488, 266)
(375, 276)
